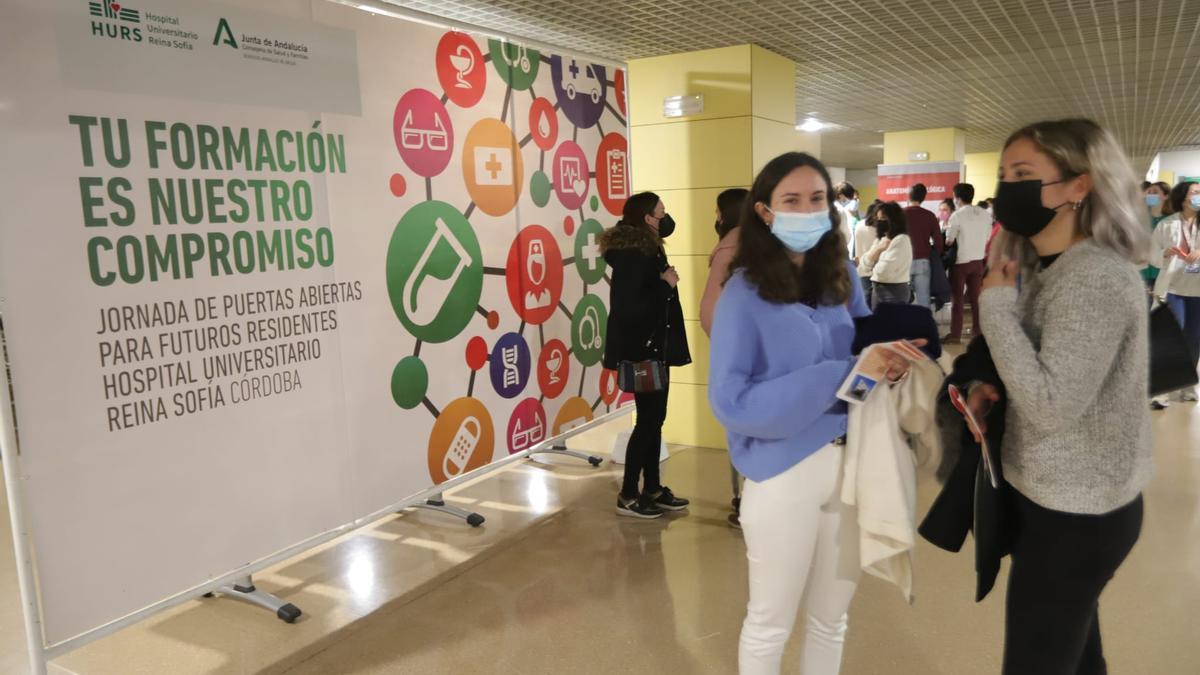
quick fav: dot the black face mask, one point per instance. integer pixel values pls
(1018, 207)
(717, 226)
(666, 225)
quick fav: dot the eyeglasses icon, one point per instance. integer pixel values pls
(413, 137)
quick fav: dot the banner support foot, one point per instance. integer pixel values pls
(563, 451)
(243, 589)
(436, 503)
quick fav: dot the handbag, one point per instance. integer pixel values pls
(1172, 364)
(644, 377)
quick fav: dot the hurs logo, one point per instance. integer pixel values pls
(117, 22)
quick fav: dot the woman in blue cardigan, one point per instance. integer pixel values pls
(780, 350)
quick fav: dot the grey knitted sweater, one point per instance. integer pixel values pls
(1072, 349)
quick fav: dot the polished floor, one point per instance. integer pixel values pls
(556, 583)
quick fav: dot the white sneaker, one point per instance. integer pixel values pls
(1189, 394)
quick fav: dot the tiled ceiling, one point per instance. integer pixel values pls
(987, 66)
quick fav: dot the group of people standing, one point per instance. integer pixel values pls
(1175, 258)
(781, 302)
(909, 254)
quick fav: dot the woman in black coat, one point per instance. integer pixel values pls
(645, 323)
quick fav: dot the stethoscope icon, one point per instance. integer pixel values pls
(590, 323)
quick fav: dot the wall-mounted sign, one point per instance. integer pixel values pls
(682, 106)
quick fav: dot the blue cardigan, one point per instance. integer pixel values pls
(774, 375)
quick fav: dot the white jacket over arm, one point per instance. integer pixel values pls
(894, 265)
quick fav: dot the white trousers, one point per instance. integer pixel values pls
(802, 544)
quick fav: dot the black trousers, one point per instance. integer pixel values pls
(645, 443)
(1061, 563)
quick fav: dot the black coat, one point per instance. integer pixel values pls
(644, 311)
(968, 502)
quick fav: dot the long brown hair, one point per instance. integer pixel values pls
(896, 222)
(637, 208)
(730, 203)
(823, 278)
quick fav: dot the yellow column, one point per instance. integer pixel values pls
(748, 118)
(982, 170)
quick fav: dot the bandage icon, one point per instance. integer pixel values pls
(466, 440)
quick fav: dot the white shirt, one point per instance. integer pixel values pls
(894, 266)
(847, 226)
(1168, 234)
(864, 239)
(970, 227)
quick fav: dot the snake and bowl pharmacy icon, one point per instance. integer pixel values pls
(423, 133)
(554, 369)
(434, 272)
(462, 440)
(461, 69)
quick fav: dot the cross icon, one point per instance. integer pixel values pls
(591, 252)
(493, 166)
(574, 69)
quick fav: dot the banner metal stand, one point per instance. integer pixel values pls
(562, 450)
(438, 504)
(22, 545)
(243, 589)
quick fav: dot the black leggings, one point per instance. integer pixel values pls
(1061, 563)
(641, 457)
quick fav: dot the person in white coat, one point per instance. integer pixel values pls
(1177, 244)
(890, 259)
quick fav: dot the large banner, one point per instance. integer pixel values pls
(266, 268)
(939, 179)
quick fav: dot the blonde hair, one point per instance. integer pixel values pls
(1113, 214)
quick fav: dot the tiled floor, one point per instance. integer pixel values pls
(556, 583)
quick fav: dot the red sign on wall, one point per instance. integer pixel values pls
(939, 180)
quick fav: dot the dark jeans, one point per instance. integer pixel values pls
(898, 294)
(1061, 563)
(968, 277)
(645, 444)
(867, 286)
(1187, 311)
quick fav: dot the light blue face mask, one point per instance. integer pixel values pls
(1195, 202)
(800, 232)
(1153, 200)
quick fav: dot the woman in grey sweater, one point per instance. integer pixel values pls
(1070, 342)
